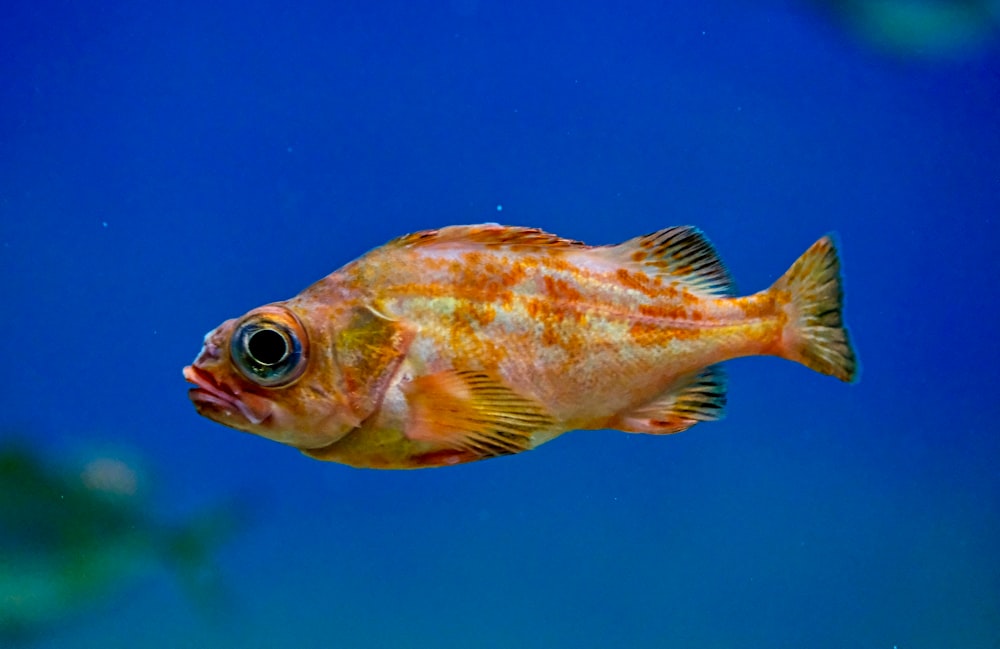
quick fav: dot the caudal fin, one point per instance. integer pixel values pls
(815, 334)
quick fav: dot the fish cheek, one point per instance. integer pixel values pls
(369, 351)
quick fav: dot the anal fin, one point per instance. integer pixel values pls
(472, 411)
(694, 398)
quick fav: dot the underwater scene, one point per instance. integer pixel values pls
(478, 324)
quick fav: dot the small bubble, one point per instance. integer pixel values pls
(499, 208)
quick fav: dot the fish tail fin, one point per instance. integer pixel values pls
(812, 294)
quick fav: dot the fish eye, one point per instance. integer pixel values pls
(268, 347)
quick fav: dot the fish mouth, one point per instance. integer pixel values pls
(209, 392)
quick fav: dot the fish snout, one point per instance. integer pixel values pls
(217, 401)
(212, 345)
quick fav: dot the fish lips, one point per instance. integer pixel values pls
(217, 401)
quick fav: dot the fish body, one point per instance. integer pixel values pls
(468, 342)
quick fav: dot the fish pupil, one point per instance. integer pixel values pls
(267, 347)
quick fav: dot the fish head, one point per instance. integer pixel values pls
(271, 373)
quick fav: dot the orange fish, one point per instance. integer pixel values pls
(469, 342)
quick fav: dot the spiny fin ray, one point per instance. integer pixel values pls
(489, 234)
(681, 254)
(694, 398)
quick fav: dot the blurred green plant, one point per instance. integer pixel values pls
(68, 539)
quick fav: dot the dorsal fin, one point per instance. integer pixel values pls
(682, 254)
(490, 234)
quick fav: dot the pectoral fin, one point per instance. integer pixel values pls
(695, 398)
(472, 411)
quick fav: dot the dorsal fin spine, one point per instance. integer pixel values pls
(488, 234)
(680, 254)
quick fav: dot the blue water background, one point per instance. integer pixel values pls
(163, 168)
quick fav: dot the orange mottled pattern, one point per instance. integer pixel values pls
(556, 323)
(451, 345)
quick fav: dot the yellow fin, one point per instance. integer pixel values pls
(682, 254)
(815, 335)
(472, 411)
(695, 398)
